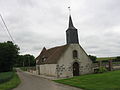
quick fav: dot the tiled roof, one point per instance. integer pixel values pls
(51, 55)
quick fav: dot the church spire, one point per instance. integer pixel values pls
(71, 32)
(70, 20)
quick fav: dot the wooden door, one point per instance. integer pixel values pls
(75, 69)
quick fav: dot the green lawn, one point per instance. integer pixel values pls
(104, 81)
(12, 83)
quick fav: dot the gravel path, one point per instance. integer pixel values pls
(31, 82)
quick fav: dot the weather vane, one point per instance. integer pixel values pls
(69, 10)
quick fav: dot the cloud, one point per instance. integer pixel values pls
(38, 23)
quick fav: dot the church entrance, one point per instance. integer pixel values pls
(75, 69)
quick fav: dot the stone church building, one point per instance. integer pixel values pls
(65, 61)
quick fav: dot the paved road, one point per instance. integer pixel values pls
(31, 82)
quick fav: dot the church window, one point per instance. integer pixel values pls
(75, 54)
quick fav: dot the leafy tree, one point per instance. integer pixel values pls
(25, 60)
(118, 58)
(28, 60)
(19, 61)
(93, 58)
(8, 55)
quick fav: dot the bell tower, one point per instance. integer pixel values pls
(71, 33)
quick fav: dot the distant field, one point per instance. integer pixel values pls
(105, 58)
(11, 83)
(104, 81)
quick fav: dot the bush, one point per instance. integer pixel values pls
(102, 69)
(93, 58)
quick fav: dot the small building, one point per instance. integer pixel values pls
(65, 61)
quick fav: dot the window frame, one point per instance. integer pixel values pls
(75, 54)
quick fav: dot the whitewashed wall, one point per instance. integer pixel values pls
(48, 69)
(38, 69)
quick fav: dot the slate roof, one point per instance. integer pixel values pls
(71, 26)
(52, 55)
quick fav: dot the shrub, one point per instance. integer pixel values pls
(102, 69)
(93, 58)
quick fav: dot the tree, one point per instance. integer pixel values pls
(25, 60)
(93, 58)
(19, 61)
(8, 55)
(28, 60)
(118, 57)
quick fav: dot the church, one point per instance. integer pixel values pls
(67, 60)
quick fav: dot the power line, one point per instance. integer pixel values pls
(3, 29)
(7, 28)
(2, 26)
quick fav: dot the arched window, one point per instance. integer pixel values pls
(75, 54)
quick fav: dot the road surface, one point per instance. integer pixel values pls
(32, 82)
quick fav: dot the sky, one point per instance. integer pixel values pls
(34, 24)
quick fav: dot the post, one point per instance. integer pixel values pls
(110, 65)
(99, 64)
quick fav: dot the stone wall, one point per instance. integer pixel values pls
(65, 64)
(64, 70)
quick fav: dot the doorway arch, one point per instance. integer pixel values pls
(75, 69)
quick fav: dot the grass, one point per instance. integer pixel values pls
(104, 81)
(5, 76)
(12, 83)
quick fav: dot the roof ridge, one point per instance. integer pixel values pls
(56, 47)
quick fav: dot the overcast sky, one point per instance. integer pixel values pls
(38, 23)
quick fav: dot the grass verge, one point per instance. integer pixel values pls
(12, 83)
(5, 76)
(104, 81)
